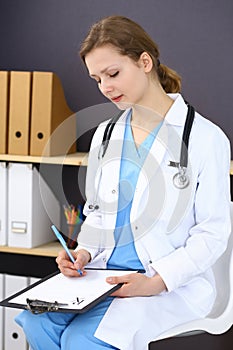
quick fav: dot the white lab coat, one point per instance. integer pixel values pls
(178, 233)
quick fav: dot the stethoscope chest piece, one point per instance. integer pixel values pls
(181, 180)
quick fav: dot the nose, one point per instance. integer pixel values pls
(105, 87)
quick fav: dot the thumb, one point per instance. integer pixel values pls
(116, 279)
(111, 280)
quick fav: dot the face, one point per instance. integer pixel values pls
(122, 80)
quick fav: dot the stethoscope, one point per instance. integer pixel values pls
(181, 178)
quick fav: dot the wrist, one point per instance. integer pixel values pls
(157, 285)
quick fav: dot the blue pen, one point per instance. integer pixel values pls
(63, 243)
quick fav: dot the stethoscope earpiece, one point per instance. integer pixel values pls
(93, 207)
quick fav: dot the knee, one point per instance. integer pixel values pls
(28, 321)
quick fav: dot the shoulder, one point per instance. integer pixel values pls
(206, 131)
(209, 146)
(99, 133)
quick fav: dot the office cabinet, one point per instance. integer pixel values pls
(14, 338)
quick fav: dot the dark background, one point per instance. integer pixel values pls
(195, 38)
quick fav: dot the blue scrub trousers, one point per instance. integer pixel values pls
(64, 331)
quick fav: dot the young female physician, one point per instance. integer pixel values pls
(137, 215)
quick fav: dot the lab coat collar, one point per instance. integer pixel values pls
(177, 113)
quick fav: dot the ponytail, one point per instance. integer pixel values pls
(169, 79)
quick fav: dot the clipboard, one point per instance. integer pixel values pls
(58, 293)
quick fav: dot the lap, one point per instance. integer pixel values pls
(66, 331)
(79, 334)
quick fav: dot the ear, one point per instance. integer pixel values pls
(146, 62)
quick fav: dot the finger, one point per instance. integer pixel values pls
(71, 272)
(118, 279)
(82, 257)
(62, 256)
(78, 265)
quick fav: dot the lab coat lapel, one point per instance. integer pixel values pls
(150, 167)
(168, 140)
(111, 169)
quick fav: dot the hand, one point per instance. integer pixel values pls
(137, 284)
(69, 269)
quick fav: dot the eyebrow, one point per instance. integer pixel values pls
(102, 71)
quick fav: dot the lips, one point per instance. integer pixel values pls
(117, 98)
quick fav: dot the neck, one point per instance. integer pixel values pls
(154, 107)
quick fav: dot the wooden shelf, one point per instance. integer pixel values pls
(50, 249)
(78, 159)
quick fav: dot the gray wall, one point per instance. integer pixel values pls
(195, 38)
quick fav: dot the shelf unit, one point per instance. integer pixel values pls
(41, 258)
(49, 249)
(78, 159)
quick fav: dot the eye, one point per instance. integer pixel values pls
(114, 75)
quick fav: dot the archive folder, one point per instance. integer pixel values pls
(57, 292)
(32, 207)
(19, 113)
(53, 124)
(4, 91)
(14, 338)
(3, 202)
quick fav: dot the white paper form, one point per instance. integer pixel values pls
(76, 293)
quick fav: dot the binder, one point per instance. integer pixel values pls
(32, 207)
(58, 293)
(2, 286)
(19, 113)
(14, 338)
(3, 202)
(53, 124)
(4, 83)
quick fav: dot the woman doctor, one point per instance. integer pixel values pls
(136, 217)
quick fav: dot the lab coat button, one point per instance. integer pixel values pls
(136, 227)
(113, 191)
(104, 259)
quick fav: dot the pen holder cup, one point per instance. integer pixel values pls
(72, 235)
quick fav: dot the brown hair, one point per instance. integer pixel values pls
(131, 40)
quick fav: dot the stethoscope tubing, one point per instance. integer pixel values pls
(180, 179)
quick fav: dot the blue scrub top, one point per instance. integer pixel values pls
(124, 255)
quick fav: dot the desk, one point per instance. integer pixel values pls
(34, 262)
